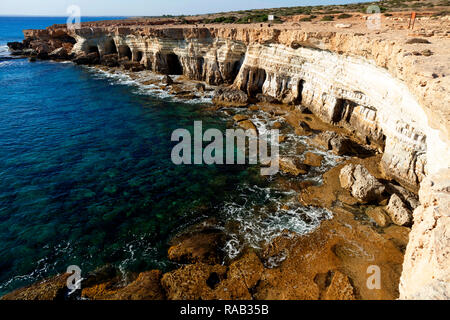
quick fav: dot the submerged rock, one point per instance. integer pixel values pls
(399, 212)
(361, 184)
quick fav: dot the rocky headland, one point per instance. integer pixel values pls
(380, 97)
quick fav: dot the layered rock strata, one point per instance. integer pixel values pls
(368, 83)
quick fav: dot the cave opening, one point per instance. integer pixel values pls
(255, 81)
(92, 49)
(173, 64)
(125, 52)
(67, 38)
(236, 68)
(110, 47)
(300, 85)
(138, 56)
(200, 62)
(343, 110)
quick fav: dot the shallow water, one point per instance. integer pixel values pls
(86, 176)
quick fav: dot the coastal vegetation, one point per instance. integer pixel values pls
(309, 13)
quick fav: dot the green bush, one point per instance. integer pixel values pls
(224, 20)
(344, 16)
(327, 18)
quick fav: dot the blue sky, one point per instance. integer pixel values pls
(146, 7)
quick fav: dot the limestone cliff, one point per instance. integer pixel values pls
(369, 83)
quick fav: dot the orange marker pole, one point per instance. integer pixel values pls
(412, 20)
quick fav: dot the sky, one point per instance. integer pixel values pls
(147, 7)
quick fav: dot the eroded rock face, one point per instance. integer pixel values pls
(341, 77)
(426, 268)
(365, 84)
(230, 97)
(361, 183)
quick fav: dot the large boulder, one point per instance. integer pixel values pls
(248, 125)
(398, 211)
(110, 60)
(408, 197)
(293, 166)
(16, 48)
(90, 58)
(361, 184)
(59, 53)
(230, 97)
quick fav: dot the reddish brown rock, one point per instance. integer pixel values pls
(54, 288)
(340, 288)
(192, 282)
(313, 159)
(293, 166)
(380, 216)
(362, 185)
(199, 247)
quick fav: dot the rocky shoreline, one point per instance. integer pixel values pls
(370, 101)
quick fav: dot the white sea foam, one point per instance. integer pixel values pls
(141, 87)
(258, 225)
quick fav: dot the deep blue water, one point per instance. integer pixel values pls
(86, 176)
(85, 170)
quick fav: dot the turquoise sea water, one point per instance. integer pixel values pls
(85, 170)
(86, 176)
